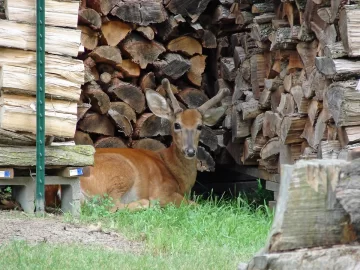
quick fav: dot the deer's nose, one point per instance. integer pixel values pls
(190, 152)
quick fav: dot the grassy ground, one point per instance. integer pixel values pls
(213, 235)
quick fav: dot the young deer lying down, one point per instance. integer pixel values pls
(134, 177)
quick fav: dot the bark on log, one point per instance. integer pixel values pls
(75, 156)
(172, 65)
(140, 12)
(110, 142)
(142, 51)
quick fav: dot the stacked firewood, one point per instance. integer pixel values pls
(64, 75)
(130, 46)
(294, 73)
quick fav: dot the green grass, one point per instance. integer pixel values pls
(217, 234)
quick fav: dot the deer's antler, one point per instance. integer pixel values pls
(214, 100)
(175, 104)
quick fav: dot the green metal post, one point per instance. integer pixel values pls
(40, 107)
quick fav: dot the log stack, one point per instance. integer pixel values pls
(64, 74)
(130, 46)
(294, 69)
(316, 223)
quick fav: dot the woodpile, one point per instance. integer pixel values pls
(316, 223)
(294, 70)
(64, 74)
(129, 48)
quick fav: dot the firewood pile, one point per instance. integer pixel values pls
(64, 74)
(129, 47)
(294, 72)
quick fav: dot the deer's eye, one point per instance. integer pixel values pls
(199, 127)
(177, 126)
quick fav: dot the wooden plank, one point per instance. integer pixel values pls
(59, 41)
(73, 172)
(25, 156)
(57, 13)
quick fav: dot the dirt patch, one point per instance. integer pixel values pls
(18, 226)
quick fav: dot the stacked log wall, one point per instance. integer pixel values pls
(295, 78)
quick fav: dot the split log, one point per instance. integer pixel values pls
(291, 128)
(329, 149)
(349, 27)
(82, 138)
(314, 135)
(338, 69)
(97, 124)
(128, 93)
(249, 109)
(140, 12)
(291, 80)
(18, 113)
(308, 52)
(91, 73)
(64, 67)
(186, 45)
(192, 97)
(58, 13)
(257, 126)
(191, 9)
(313, 111)
(124, 109)
(148, 144)
(114, 32)
(197, 68)
(101, 6)
(239, 56)
(110, 142)
(286, 105)
(239, 128)
(129, 69)
(271, 148)
(121, 122)
(271, 124)
(283, 39)
(90, 17)
(150, 125)
(142, 51)
(61, 41)
(22, 80)
(257, 74)
(172, 65)
(106, 54)
(100, 101)
(205, 162)
(335, 50)
(301, 102)
(89, 37)
(349, 135)
(147, 81)
(227, 68)
(265, 99)
(208, 138)
(146, 31)
(342, 99)
(259, 8)
(25, 156)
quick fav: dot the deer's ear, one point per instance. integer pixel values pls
(158, 104)
(212, 116)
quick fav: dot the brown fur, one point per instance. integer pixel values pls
(165, 176)
(135, 177)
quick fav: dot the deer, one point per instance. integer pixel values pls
(133, 178)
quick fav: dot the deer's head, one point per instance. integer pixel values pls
(186, 124)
